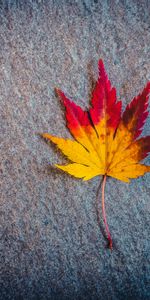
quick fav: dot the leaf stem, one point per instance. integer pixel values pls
(104, 213)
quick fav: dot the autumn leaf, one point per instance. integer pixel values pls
(106, 143)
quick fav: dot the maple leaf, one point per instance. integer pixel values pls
(106, 143)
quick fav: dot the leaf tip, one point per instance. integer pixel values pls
(42, 135)
(46, 136)
(56, 89)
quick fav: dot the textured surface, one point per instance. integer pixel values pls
(51, 245)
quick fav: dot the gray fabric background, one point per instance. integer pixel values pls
(51, 245)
